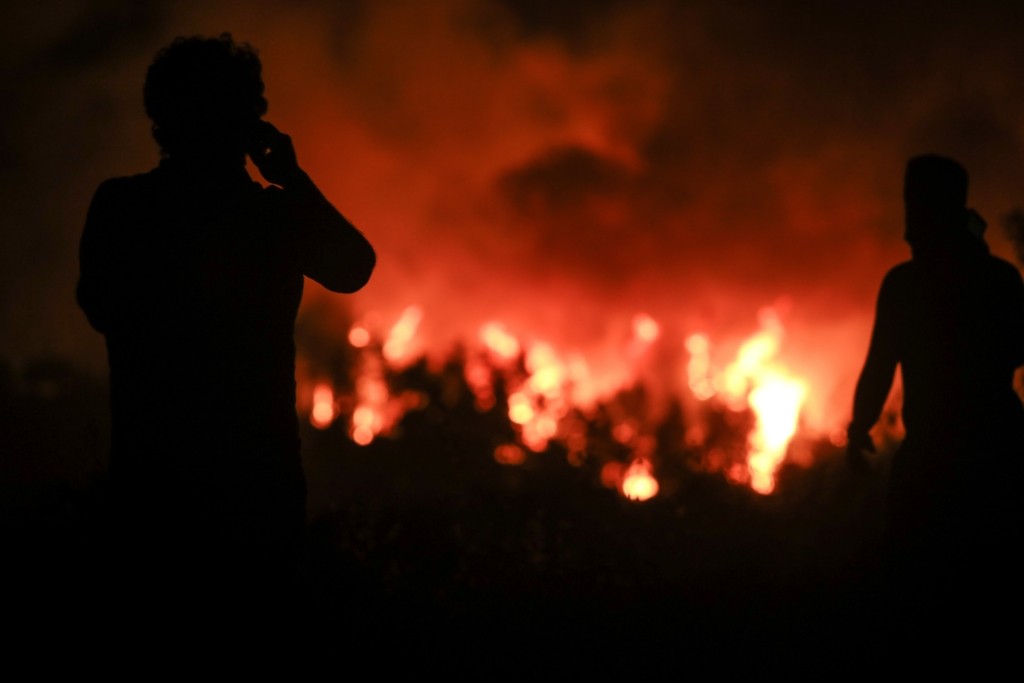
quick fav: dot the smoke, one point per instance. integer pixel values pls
(557, 166)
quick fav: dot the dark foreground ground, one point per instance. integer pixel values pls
(423, 552)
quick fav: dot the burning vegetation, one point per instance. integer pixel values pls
(663, 404)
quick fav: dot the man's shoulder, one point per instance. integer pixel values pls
(900, 273)
(126, 185)
(1003, 267)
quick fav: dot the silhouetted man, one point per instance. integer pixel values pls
(194, 273)
(952, 319)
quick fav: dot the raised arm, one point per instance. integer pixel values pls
(1016, 315)
(332, 251)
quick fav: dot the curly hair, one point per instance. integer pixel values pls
(203, 92)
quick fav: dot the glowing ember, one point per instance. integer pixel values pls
(358, 336)
(324, 411)
(365, 424)
(479, 376)
(368, 419)
(624, 432)
(509, 454)
(499, 342)
(646, 328)
(611, 474)
(519, 409)
(698, 369)
(399, 346)
(638, 482)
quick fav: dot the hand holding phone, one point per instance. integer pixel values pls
(273, 154)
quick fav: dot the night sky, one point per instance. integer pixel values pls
(556, 166)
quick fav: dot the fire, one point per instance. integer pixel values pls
(368, 419)
(540, 402)
(646, 328)
(358, 336)
(509, 454)
(499, 342)
(400, 345)
(552, 396)
(638, 483)
(756, 379)
(699, 367)
(776, 401)
(324, 410)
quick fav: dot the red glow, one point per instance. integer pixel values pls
(509, 454)
(611, 474)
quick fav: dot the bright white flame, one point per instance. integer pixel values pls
(755, 379)
(638, 482)
(776, 401)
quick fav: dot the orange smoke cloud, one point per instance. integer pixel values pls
(560, 172)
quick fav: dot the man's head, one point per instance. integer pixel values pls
(203, 96)
(934, 198)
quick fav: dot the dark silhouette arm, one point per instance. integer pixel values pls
(331, 250)
(1017, 320)
(876, 377)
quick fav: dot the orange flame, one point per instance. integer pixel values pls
(645, 328)
(776, 401)
(358, 336)
(499, 342)
(324, 409)
(551, 396)
(757, 380)
(400, 345)
(368, 419)
(638, 482)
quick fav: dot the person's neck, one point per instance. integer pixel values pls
(214, 161)
(957, 244)
(210, 170)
